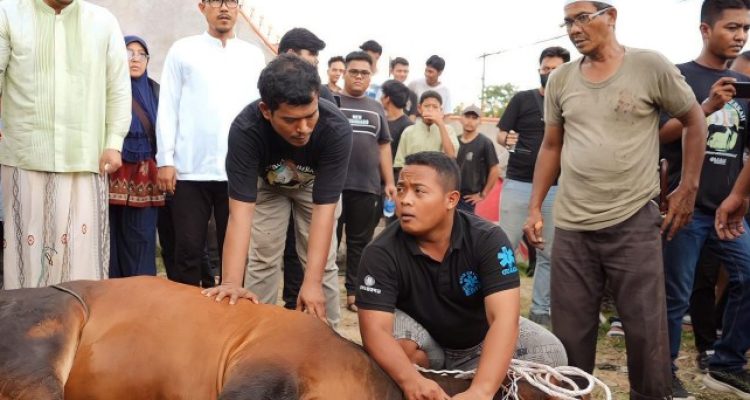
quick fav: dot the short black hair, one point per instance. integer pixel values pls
(301, 39)
(431, 94)
(396, 91)
(336, 59)
(372, 46)
(555, 51)
(288, 79)
(711, 9)
(358, 56)
(446, 167)
(436, 62)
(399, 61)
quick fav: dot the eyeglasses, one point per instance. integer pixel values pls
(357, 72)
(133, 56)
(582, 19)
(219, 3)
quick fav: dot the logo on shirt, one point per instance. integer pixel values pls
(724, 127)
(469, 283)
(290, 175)
(508, 261)
(368, 286)
(470, 156)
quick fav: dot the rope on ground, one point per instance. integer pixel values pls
(541, 377)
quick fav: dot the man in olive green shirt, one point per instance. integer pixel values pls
(429, 133)
(66, 108)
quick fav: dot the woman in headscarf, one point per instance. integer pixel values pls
(134, 195)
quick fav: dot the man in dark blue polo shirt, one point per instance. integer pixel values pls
(440, 289)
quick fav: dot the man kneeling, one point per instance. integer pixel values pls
(441, 290)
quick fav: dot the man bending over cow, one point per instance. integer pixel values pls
(441, 290)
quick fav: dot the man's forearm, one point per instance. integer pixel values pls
(497, 351)
(386, 164)
(236, 246)
(502, 136)
(445, 138)
(386, 351)
(491, 180)
(547, 169)
(693, 147)
(319, 241)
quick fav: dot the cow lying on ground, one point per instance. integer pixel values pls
(149, 338)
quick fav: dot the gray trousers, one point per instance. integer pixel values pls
(629, 256)
(534, 344)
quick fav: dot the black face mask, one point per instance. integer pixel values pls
(544, 78)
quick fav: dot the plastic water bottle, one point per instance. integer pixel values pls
(389, 207)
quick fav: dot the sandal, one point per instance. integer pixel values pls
(350, 304)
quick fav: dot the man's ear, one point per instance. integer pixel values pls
(453, 198)
(705, 30)
(265, 110)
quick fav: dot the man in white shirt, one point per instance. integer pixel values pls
(207, 80)
(433, 70)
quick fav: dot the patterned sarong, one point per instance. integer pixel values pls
(56, 227)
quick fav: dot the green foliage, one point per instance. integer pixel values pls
(496, 99)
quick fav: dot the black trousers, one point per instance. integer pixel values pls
(360, 214)
(192, 206)
(706, 313)
(293, 272)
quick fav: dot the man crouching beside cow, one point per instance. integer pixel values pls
(439, 289)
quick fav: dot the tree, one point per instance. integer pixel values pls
(496, 99)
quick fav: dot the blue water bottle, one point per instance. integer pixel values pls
(389, 207)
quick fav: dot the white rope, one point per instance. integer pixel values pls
(539, 376)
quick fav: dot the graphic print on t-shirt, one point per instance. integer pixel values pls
(508, 261)
(723, 130)
(469, 281)
(289, 175)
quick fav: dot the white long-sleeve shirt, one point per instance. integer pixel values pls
(204, 86)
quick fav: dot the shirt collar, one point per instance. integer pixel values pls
(457, 237)
(216, 42)
(45, 8)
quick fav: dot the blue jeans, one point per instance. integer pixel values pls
(514, 210)
(680, 259)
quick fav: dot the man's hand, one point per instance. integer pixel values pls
(472, 395)
(721, 93)
(110, 161)
(311, 299)
(680, 204)
(233, 292)
(473, 198)
(511, 139)
(533, 229)
(433, 117)
(167, 179)
(391, 192)
(424, 389)
(730, 217)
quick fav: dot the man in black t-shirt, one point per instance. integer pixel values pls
(727, 139)
(522, 126)
(477, 159)
(370, 165)
(286, 151)
(440, 289)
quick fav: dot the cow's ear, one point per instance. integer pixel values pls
(261, 380)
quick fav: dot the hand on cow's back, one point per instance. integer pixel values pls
(231, 292)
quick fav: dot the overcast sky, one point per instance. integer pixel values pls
(460, 31)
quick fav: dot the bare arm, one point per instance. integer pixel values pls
(682, 200)
(546, 171)
(502, 136)
(386, 170)
(311, 298)
(499, 343)
(377, 338)
(491, 180)
(234, 256)
(447, 144)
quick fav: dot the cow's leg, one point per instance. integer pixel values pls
(40, 329)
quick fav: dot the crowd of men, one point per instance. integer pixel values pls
(286, 167)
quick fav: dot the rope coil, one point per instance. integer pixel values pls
(540, 377)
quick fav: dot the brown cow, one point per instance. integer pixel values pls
(149, 338)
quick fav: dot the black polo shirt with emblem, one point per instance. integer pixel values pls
(446, 298)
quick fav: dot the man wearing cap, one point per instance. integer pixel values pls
(66, 104)
(477, 159)
(602, 136)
